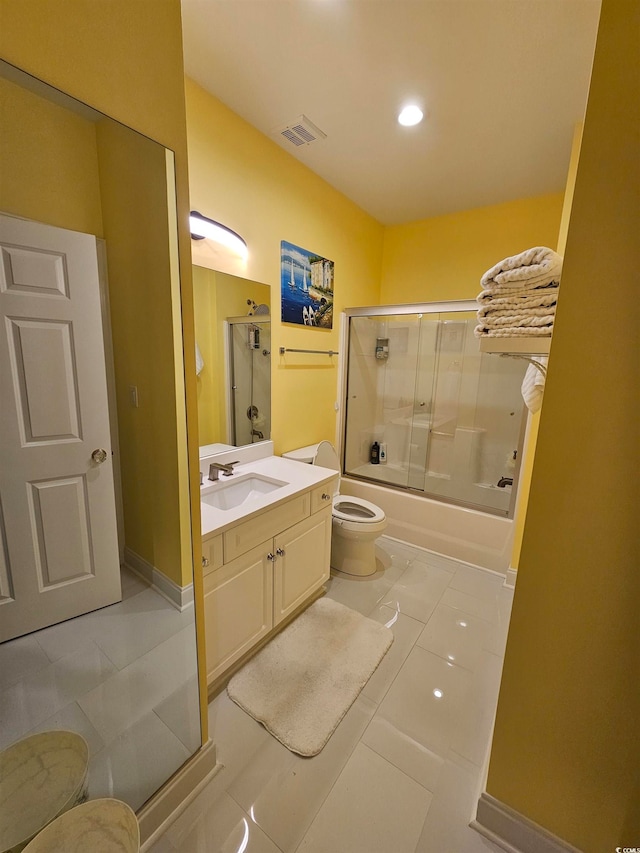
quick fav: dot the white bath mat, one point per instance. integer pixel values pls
(305, 680)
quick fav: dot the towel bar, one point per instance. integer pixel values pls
(283, 350)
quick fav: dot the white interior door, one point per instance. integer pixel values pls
(58, 532)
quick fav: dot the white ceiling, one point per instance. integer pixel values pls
(502, 84)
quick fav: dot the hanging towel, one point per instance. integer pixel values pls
(533, 386)
(199, 360)
(533, 268)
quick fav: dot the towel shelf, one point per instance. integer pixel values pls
(518, 345)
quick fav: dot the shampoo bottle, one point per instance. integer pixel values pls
(375, 453)
(383, 452)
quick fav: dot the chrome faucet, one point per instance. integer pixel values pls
(216, 467)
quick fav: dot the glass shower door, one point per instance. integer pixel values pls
(476, 419)
(381, 381)
(449, 418)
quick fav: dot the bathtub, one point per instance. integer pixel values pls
(465, 534)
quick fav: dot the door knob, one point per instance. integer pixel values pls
(99, 456)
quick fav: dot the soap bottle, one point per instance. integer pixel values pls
(375, 453)
(382, 454)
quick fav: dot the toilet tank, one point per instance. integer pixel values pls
(302, 454)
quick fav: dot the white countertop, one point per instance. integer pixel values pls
(298, 476)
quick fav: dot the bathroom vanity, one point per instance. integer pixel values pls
(266, 544)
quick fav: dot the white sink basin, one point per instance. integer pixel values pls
(239, 490)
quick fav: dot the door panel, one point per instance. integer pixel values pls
(45, 380)
(33, 270)
(60, 530)
(59, 555)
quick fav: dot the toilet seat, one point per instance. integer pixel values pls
(355, 522)
(358, 510)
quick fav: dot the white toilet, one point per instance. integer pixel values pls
(356, 523)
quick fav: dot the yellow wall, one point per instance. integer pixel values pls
(135, 212)
(444, 257)
(566, 750)
(241, 178)
(57, 150)
(125, 59)
(526, 470)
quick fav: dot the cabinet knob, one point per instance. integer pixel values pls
(205, 562)
(326, 497)
(271, 557)
(280, 552)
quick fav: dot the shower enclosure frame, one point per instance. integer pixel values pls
(229, 369)
(416, 308)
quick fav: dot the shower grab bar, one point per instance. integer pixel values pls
(283, 350)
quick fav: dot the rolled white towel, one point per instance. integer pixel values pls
(531, 268)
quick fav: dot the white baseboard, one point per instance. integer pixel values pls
(180, 596)
(173, 798)
(511, 577)
(514, 832)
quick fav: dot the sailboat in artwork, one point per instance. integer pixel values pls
(292, 281)
(305, 286)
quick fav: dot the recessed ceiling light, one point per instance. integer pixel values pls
(410, 115)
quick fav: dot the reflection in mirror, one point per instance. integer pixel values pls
(97, 629)
(233, 335)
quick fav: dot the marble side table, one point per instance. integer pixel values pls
(99, 826)
(41, 776)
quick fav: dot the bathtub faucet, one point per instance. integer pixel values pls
(505, 481)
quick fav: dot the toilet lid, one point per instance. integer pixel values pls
(349, 508)
(327, 457)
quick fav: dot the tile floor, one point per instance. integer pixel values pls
(403, 771)
(124, 677)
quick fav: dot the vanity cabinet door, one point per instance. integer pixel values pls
(302, 562)
(238, 604)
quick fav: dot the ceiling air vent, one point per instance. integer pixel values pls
(300, 132)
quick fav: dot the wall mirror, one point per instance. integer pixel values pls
(97, 627)
(233, 336)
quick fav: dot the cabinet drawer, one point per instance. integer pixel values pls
(267, 524)
(322, 496)
(211, 554)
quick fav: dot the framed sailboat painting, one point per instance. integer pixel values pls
(306, 284)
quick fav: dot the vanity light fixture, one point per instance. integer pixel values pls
(410, 115)
(202, 228)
